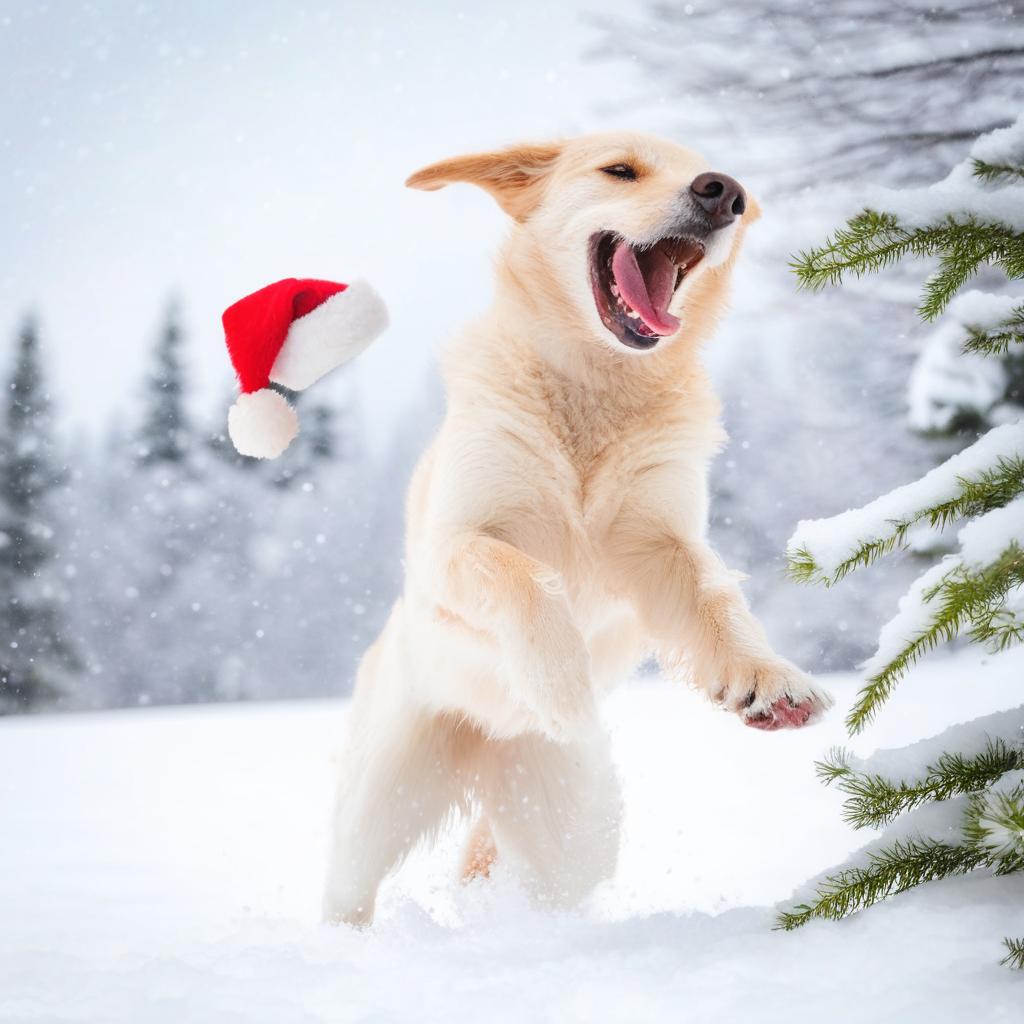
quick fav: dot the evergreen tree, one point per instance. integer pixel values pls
(316, 444)
(156, 494)
(164, 435)
(36, 657)
(169, 497)
(968, 805)
(322, 441)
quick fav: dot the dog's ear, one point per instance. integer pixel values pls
(515, 176)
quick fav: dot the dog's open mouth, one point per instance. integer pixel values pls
(634, 285)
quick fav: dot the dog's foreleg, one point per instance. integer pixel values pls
(496, 588)
(693, 607)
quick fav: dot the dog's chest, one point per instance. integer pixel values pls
(593, 461)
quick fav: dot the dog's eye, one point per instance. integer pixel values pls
(626, 172)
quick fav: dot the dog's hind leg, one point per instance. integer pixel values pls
(481, 852)
(555, 811)
(399, 778)
(390, 796)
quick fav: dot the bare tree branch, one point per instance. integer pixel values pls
(849, 84)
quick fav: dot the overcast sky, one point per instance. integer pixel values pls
(210, 148)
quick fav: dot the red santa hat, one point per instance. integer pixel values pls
(292, 333)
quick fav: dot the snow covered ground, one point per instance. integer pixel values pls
(164, 865)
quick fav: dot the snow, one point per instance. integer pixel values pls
(1002, 147)
(984, 539)
(912, 618)
(1008, 782)
(967, 738)
(948, 382)
(925, 539)
(961, 195)
(1013, 604)
(942, 820)
(833, 540)
(982, 310)
(164, 865)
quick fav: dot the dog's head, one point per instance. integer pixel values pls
(623, 226)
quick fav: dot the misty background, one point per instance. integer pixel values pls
(161, 161)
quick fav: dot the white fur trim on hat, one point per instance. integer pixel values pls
(262, 424)
(332, 334)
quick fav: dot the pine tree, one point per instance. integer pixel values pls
(164, 435)
(322, 440)
(169, 496)
(36, 657)
(971, 221)
(162, 506)
(315, 445)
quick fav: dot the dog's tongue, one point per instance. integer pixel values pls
(646, 283)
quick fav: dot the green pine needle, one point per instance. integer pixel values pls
(994, 822)
(911, 862)
(996, 173)
(905, 864)
(835, 766)
(869, 242)
(961, 597)
(997, 342)
(990, 489)
(992, 828)
(1002, 631)
(1015, 953)
(802, 568)
(873, 800)
(872, 241)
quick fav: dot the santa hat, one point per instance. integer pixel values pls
(292, 333)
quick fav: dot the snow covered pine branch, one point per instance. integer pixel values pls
(943, 813)
(961, 812)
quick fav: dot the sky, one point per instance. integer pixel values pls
(207, 149)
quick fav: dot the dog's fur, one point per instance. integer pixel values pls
(556, 534)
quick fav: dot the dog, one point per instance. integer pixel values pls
(556, 527)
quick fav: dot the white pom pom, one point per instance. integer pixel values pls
(262, 424)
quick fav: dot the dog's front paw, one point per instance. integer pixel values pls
(777, 695)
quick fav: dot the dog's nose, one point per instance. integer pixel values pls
(721, 196)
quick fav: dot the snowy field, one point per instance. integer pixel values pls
(164, 865)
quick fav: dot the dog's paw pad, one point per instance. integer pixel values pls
(783, 713)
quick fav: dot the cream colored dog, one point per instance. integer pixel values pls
(557, 526)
